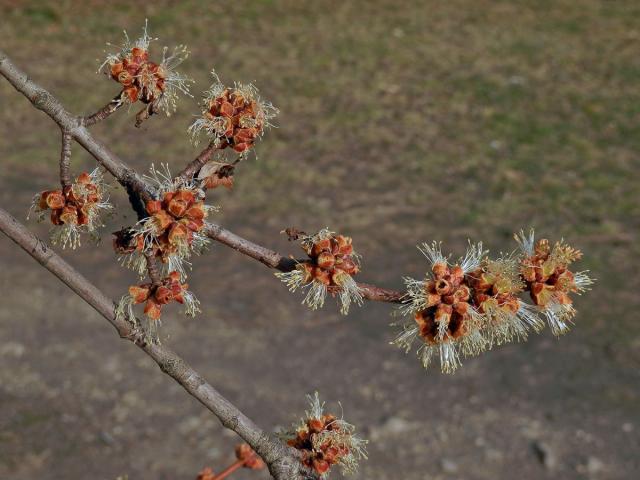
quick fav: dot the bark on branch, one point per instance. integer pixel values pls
(137, 187)
(285, 264)
(282, 461)
(43, 100)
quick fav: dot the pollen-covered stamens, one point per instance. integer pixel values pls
(233, 117)
(173, 230)
(325, 440)
(496, 286)
(156, 296)
(446, 319)
(141, 79)
(75, 209)
(473, 305)
(330, 269)
(545, 271)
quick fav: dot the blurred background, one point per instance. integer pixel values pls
(401, 122)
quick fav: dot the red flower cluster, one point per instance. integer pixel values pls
(546, 273)
(172, 221)
(331, 257)
(447, 301)
(329, 452)
(141, 79)
(494, 291)
(241, 119)
(74, 204)
(156, 296)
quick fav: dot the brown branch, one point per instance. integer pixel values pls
(282, 461)
(136, 186)
(65, 159)
(43, 100)
(152, 269)
(192, 169)
(146, 113)
(106, 111)
(274, 260)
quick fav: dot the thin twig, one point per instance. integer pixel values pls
(106, 111)
(192, 169)
(65, 158)
(152, 268)
(282, 462)
(137, 187)
(274, 260)
(43, 100)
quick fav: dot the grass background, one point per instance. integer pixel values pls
(401, 122)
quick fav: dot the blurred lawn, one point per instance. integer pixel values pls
(400, 122)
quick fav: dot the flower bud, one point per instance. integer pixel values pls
(162, 220)
(196, 211)
(152, 309)
(54, 199)
(139, 293)
(69, 215)
(153, 206)
(177, 207)
(326, 260)
(163, 295)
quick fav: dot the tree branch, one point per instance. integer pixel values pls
(43, 100)
(65, 159)
(192, 169)
(282, 461)
(137, 187)
(106, 111)
(274, 260)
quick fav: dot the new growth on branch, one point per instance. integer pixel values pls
(459, 308)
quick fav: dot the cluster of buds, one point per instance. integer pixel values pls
(325, 440)
(233, 117)
(469, 306)
(74, 209)
(156, 295)
(141, 79)
(330, 269)
(245, 458)
(545, 272)
(173, 229)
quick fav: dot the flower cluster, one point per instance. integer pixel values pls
(330, 269)
(233, 117)
(545, 272)
(155, 296)
(144, 80)
(466, 307)
(173, 229)
(325, 440)
(74, 209)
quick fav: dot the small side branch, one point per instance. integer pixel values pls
(105, 112)
(65, 159)
(44, 101)
(192, 169)
(274, 260)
